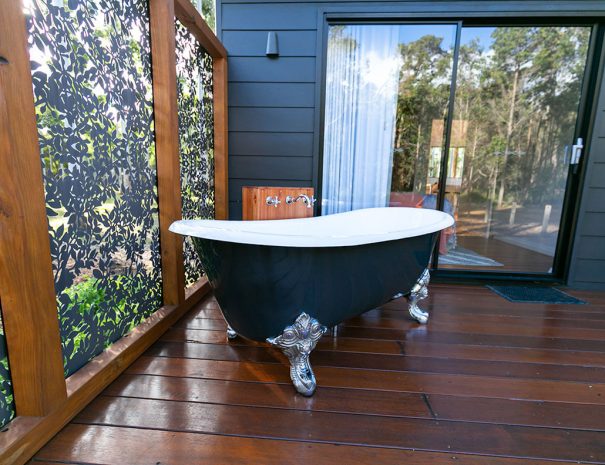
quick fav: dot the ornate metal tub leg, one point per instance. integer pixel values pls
(419, 292)
(231, 334)
(297, 342)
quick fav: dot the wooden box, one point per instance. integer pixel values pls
(254, 203)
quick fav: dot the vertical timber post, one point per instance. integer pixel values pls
(163, 55)
(27, 288)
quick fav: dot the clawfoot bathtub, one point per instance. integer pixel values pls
(287, 281)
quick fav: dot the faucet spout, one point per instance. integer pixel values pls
(308, 201)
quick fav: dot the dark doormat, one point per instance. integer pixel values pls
(535, 295)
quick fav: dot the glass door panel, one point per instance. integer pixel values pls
(387, 94)
(517, 96)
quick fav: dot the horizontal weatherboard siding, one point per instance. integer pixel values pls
(254, 43)
(591, 247)
(274, 136)
(595, 200)
(271, 144)
(263, 69)
(501, 7)
(264, 94)
(593, 224)
(597, 175)
(590, 271)
(291, 168)
(271, 119)
(264, 16)
(235, 187)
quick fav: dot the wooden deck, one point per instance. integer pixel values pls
(486, 383)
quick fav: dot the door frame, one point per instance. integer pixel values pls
(492, 14)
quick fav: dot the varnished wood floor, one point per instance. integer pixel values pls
(512, 257)
(487, 382)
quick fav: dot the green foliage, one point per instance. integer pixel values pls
(85, 297)
(97, 312)
(91, 70)
(517, 93)
(196, 138)
(520, 96)
(7, 405)
(207, 9)
(423, 96)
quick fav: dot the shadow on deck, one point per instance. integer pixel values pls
(486, 382)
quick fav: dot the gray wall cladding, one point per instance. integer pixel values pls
(587, 269)
(273, 103)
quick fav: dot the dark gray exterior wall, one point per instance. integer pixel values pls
(274, 104)
(587, 268)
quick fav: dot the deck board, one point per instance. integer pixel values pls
(487, 381)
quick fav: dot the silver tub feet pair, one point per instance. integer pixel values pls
(297, 342)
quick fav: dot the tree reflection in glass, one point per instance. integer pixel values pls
(517, 96)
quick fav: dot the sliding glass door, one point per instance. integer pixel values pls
(387, 93)
(517, 96)
(478, 121)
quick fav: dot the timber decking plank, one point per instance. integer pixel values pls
(270, 395)
(429, 383)
(97, 444)
(483, 326)
(486, 410)
(554, 319)
(420, 349)
(420, 334)
(393, 328)
(518, 412)
(463, 392)
(407, 363)
(558, 318)
(404, 433)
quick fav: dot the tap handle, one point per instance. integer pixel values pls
(273, 201)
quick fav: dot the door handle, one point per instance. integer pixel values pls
(576, 151)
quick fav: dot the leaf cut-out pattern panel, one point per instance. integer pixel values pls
(7, 404)
(91, 69)
(196, 138)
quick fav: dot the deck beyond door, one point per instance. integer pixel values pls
(487, 382)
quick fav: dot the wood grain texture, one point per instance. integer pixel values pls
(26, 435)
(254, 203)
(27, 290)
(187, 14)
(338, 428)
(221, 138)
(395, 392)
(97, 444)
(163, 57)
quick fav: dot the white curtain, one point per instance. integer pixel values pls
(361, 99)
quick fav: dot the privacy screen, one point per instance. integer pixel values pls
(7, 406)
(196, 136)
(91, 69)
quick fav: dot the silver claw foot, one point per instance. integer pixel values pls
(297, 342)
(231, 334)
(419, 292)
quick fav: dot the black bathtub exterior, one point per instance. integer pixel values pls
(262, 289)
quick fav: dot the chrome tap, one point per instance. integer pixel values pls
(272, 201)
(308, 201)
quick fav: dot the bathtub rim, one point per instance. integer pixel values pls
(243, 232)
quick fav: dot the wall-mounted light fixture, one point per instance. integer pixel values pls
(272, 47)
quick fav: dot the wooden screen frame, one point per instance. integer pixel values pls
(186, 13)
(163, 54)
(45, 401)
